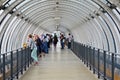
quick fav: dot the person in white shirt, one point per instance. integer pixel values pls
(69, 40)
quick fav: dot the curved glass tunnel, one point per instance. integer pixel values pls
(94, 23)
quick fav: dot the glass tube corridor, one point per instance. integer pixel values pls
(93, 51)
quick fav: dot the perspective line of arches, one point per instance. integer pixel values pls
(92, 22)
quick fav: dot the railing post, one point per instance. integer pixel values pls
(80, 51)
(17, 64)
(21, 61)
(94, 60)
(90, 54)
(83, 54)
(104, 65)
(113, 66)
(28, 56)
(77, 50)
(87, 53)
(98, 63)
(25, 53)
(4, 76)
(11, 74)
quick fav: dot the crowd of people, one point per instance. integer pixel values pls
(66, 40)
(40, 44)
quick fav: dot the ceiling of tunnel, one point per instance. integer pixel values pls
(54, 14)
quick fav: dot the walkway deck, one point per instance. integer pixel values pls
(59, 65)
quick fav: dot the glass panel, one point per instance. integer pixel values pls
(6, 5)
(8, 2)
(116, 13)
(1, 27)
(111, 21)
(27, 1)
(104, 1)
(114, 31)
(86, 3)
(5, 2)
(11, 1)
(1, 11)
(24, 2)
(6, 36)
(3, 23)
(93, 3)
(108, 33)
(118, 9)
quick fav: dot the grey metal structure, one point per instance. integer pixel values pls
(92, 22)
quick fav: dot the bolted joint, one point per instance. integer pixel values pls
(18, 14)
(57, 3)
(11, 12)
(3, 7)
(22, 17)
(112, 6)
(26, 19)
(97, 14)
(103, 11)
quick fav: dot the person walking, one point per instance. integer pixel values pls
(55, 40)
(69, 40)
(62, 39)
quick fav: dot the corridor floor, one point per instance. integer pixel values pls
(59, 65)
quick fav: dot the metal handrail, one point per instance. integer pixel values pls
(104, 63)
(99, 48)
(14, 62)
(13, 50)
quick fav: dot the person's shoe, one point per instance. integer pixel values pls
(36, 63)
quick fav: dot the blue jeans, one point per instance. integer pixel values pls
(62, 45)
(69, 45)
